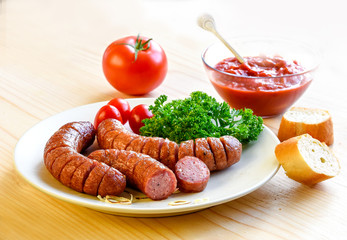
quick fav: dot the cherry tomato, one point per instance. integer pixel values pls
(107, 111)
(123, 107)
(134, 65)
(139, 113)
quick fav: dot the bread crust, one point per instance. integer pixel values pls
(323, 131)
(295, 165)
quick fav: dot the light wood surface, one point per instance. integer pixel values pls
(50, 61)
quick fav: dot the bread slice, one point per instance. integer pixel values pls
(299, 120)
(307, 160)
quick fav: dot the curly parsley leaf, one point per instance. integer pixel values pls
(200, 116)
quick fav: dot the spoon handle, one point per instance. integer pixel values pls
(206, 22)
(236, 54)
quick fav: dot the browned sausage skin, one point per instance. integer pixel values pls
(107, 134)
(233, 149)
(186, 148)
(220, 156)
(216, 153)
(203, 152)
(143, 172)
(63, 160)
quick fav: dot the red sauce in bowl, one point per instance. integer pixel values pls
(267, 85)
(260, 66)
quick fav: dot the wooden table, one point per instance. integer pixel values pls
(50, 61)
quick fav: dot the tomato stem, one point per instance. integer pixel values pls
(139, 45)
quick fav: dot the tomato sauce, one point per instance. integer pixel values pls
(267, 85)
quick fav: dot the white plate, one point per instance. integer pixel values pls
(257, 166)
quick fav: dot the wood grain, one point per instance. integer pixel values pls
(50, 61)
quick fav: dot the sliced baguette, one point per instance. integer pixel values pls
(316, 122)
(307, 160)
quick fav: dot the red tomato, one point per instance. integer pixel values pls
(107, 111)
(123, 107)
(134, 65)
(139, 113)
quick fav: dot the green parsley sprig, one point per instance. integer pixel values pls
(199, 116)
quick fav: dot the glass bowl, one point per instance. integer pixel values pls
(266, 96)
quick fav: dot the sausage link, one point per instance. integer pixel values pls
(91, 185)
(158, 182)
(137, 144)
(152, 147)
(110, 183)
(165, 153)
(54, 154)
(204, 153)
(123, 140)
(216, 153)
(81, 174)
(132, 161)
(62, 138)
(69, 169)
(109, 138)
(63, 160)
(104, 129)
(173, 155)
(124, 161)
(140, 168)
(145, 173)
(60, 163)
(186, 148)
(233, 149)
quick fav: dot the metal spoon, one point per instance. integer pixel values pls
(206, 22)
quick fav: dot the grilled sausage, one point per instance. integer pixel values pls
(152, 147)
(216, 153)
(64, 161)
(220, 157)
(186, 148)
(143, 172)
(233, 149)
(203, 152)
